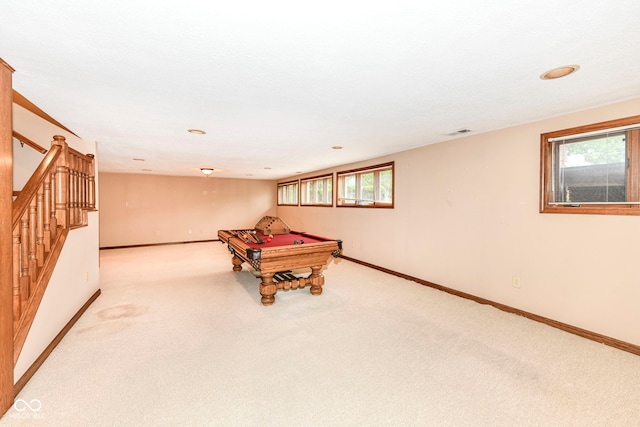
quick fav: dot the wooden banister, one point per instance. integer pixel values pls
(22, 201)
(54, 200)
(24, 140)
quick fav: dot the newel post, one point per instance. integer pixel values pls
(92, 182)
(6, 238)
(62, 182)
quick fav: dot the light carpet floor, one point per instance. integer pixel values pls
(178, 339)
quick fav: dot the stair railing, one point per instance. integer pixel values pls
(57, 198)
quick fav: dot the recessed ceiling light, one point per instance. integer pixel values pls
(267, 168)
(337, 147)
(138, 159)
(196, 131)
(207, 171)
(556, 73)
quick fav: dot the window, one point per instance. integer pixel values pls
(370, 187)
(593, 169)
(288, 193)
(317, 191)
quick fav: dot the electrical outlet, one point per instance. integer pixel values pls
(515, 282)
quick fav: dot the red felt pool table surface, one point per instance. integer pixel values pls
(286, 239)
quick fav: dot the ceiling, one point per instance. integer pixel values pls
(277, 84)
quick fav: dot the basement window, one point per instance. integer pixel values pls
(288, 193)
(370, 187)
(592, 169)
(317, 191)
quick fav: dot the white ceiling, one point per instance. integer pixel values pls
(275, 84)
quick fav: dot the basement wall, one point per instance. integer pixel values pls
(467, 217)
(139, 209)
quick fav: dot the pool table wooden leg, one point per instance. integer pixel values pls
(237, 263)
(316, 279)
(268, 289)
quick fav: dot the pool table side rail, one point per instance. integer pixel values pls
(281, 258)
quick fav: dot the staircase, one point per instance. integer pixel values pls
(34, 225)
(55, 200)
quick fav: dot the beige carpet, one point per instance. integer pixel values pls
(178, 339)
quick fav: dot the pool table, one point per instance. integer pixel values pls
(275, 259)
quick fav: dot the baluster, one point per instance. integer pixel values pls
(40, 226)
(17, 303)
(79, 190)
(24, 259)
(33, 258)
(81, 208)
(84, 193)
(87, 174)
(73, 189)
(92, 183)
(46, 213)
(75, 206)
(81, 186)
(53, 221)
(71, 211)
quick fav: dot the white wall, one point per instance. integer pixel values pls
(76, 276)
(147, 209)
(28, 161)
(467, 217)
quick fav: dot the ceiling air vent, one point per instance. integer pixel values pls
(459, 132)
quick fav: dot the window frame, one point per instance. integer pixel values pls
(633, 171)
(280, 194)
(326, 185)
(376, 169)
